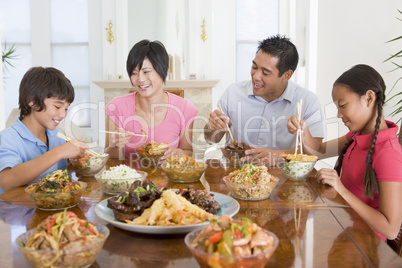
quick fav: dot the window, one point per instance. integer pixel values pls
(59, 39)
(255, 21)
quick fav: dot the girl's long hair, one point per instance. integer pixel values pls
(359, 79)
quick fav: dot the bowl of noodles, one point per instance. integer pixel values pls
(251, 182)
(88, 164)
(296, 167)
(62, 240)
(151, 152)
(183, 169)
(56, 191)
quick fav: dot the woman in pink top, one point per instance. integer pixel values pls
(165, 117)
(370, 155)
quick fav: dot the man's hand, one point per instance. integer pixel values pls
(260, 156)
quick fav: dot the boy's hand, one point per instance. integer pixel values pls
(73, 148)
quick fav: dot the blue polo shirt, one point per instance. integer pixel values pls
(18, 145)
(262, 124)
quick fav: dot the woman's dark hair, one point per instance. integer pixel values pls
(154, 51)
(40, 83)
(359, 79)
(281, 47)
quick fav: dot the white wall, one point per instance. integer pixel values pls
(350, 33)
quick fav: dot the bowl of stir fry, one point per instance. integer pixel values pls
(63, 240)
(296, 167)
(234, 152)
(183, 169)
(231, 244)
(56, 191)
(89, 164)
(250, 182)
(151, 152)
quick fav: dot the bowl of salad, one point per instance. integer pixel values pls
(62, 240)
(231, 244)
(183, 169)
(151, 152)
(56, 191)
(88, 164)
(296, 167)
(118, 179)
(251, 182)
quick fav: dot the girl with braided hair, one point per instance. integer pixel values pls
(368, 173)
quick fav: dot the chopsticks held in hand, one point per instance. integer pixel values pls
(230, 133)
(299, 135)
(117, 132)
(61, 136)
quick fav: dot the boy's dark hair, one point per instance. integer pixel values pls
(40, 83)
(359, 79)
(281, 47)
(156, 53)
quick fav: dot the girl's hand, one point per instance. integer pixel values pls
(293, 124)
(73, 148)
(330, 177)
(121, 139)
(171, 152)
(217, 121)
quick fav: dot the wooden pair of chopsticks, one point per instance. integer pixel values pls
(297, 228)
(61, 136)
(230, 133)
(299, 135)
(117, 132)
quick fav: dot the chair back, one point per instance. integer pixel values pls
(178, 92)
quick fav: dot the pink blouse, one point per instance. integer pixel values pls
(179, 116)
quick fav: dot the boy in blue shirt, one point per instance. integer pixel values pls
(30, 148)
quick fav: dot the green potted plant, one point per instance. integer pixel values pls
(396, 95)
(8, 54)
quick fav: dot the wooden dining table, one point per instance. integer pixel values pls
(315, 226)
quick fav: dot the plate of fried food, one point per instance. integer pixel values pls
(145, 208)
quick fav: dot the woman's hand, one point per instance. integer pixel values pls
(293, 124)
(330, 177)
(171, 152)
(121, 139)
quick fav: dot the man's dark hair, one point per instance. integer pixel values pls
(156, 53)
(40, 83)
(281, 48)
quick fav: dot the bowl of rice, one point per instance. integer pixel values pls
(118, 179)
(296, 167)
(250, 182)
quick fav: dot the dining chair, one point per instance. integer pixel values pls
(178, 92)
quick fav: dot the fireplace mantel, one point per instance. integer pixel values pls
(182, 84)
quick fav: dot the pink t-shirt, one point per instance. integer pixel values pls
(387, 162)
(180, 115)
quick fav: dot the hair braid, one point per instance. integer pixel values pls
(338, 165)
(370, 178)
